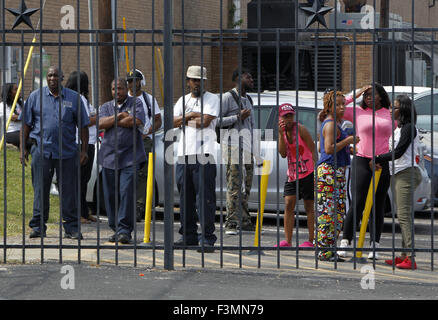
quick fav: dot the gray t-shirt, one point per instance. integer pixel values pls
(230, 120)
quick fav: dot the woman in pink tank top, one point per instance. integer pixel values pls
(301, 165)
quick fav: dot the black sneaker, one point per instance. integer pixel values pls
(180, 242)
(124, 238)
(112, 238)
(73, 235)
(36, 234)
(208, 248)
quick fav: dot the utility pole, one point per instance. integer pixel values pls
(168, 126)
(384, 16)
(106, 62)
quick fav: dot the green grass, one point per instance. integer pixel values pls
(14, 195)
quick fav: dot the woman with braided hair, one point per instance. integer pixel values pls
(331, 199)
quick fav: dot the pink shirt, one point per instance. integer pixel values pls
(305, 159)
(364, 129)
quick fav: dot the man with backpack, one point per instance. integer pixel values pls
(236, 131)
(152, 123)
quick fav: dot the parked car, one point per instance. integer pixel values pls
(428, 128)
(266, 114)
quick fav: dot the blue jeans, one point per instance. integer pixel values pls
(67, 182)
(124, 222)
(190, 189)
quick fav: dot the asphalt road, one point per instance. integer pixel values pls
(126, 273)
(45, 282)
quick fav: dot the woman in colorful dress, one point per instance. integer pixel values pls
(331, 195)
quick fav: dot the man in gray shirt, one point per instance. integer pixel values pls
(237, 125)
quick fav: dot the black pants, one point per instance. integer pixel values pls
(360, 192)
(85, 177)
(190, 189)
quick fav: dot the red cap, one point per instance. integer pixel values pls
(286, 108)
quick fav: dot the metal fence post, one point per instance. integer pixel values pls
(168, 125)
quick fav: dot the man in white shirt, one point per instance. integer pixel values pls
(196, 115)
(151, 124)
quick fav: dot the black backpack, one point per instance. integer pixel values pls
(148, 105)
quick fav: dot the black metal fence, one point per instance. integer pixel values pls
(296, 63)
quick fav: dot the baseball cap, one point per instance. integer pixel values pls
(286, 108)
(194, 72)
(136, 74)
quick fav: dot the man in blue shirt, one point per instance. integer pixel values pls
(122, 154)
(60, 112)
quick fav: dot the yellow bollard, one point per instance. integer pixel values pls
(20, 86)
(366, 212)
(160, 71)
(263, 190)
(148, 207)
(126, 47)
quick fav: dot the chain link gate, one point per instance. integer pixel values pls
(291, 64)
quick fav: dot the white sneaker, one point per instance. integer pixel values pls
(344, 244)
(372, 254)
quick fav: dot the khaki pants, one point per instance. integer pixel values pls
(403, 197)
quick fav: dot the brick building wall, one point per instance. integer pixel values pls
(138, 16)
